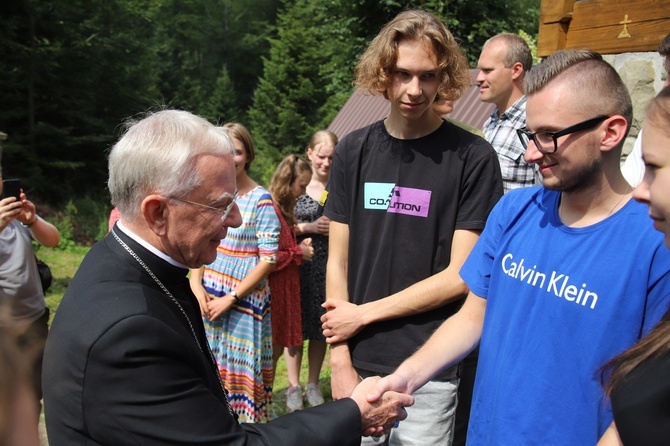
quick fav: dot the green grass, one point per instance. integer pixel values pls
(281, 381)
(65, 262)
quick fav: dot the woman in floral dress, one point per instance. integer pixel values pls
(234, 295)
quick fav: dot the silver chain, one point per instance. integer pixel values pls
(176, 302)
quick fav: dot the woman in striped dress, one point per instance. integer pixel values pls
(234, 295)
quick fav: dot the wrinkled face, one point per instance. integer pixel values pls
(321, 156)
(578, 158)
(299, 185)
(241, 157)
(194, 232)
(494, 79)
(415, 79)
(655, 186)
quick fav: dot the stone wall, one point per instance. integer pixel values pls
(643, 74)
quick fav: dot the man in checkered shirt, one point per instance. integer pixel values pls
(503, 63)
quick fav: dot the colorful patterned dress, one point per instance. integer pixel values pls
(241, 339)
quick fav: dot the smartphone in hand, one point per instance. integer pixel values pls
(11, 188)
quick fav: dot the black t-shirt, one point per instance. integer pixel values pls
(641, 403)
(402, 201)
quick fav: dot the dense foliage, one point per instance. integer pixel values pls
(72, 70)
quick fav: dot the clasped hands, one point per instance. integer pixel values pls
(341, 321)
(380, 405)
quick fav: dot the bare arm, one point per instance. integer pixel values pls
(219, 306)
(344, 320)
(450, 343)
(610, 437)
(319, 226)
(43, 232)
(195, 280)
(344, 377)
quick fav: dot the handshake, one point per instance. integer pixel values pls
(380, 410)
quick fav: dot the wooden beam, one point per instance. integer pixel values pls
(552, 38)
(553, 11)
(619, 26)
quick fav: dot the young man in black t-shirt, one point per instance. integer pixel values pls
(408, 197)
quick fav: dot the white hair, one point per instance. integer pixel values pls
(156, 154)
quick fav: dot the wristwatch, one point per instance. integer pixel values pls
(234, 294)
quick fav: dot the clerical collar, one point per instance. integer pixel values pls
(149, 247)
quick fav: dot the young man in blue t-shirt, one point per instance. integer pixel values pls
(558, 283)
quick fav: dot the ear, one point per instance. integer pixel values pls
(517, 70)
(155, 212)
(614, 132)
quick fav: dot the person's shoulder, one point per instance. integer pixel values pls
(465, 126)
(356, 136)
(522, 196)
(465, 140)
(260, 195)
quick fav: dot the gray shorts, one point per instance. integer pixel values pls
(430, 421)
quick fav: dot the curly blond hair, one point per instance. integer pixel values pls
(375, 67)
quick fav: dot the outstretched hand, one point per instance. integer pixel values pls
(392, 382)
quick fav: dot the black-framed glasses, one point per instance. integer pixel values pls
(224, 210)
(547, 142)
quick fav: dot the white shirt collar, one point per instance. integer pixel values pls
(150, 247)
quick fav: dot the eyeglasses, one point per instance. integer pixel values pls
(547, 142)
(224, 210)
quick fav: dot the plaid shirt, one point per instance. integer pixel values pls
(501, 134)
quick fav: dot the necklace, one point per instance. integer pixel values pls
(560, 204)
(176, 302)
(620, 199)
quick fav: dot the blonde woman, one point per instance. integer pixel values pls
(312, 224)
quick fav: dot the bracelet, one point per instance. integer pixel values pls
(27, 225)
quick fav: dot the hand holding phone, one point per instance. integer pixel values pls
(11, 188)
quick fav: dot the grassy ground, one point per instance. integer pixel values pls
(64, 264)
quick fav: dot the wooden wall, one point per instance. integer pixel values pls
(606, 26)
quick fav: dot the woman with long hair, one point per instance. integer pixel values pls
(234, 295)
(288, 183)
(639, 378)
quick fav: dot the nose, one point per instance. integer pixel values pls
(414, 87)
(641, 192)
(532, 155)
(234, 219)
(480, 77)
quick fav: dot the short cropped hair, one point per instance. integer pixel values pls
(599, 85)
(375, 67)
(664, 47)
(240, 132)
(156, 154)
(517, 50)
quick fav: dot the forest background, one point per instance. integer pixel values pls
(72, 70)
